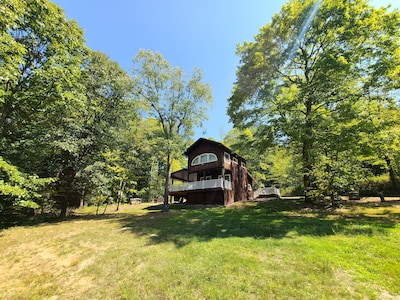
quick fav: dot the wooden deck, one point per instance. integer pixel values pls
(267, 192)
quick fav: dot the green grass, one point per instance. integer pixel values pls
(277, 249)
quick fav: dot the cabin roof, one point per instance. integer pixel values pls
(181, 174)
(217, 144)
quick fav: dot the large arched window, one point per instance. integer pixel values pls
(204, 158)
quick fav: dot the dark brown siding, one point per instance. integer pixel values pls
(239, 175)
(205, 148)
(207, 166)
(206, 197)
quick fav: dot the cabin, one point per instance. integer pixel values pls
(215, 175)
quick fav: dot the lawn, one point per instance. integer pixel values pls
(277, 249)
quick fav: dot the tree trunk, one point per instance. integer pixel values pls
(118, 201)
(306, 154)
(66, 190)
(5, 113)
(104, 211)
(120, 192)
(82, 201)
(392, 175)
(98, 205)
(166, 187)
(64, 206)
(307, 168)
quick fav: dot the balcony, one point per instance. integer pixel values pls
(219, 183)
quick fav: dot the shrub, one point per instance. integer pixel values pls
(372, 186)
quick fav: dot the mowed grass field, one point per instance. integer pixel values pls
(276, 249)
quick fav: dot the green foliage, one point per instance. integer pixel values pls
(373, 186)
(309, 93)
(61, 105)
(381, 143)
(40, 66)
(283, 170)
(269, 164)
(19, 189)
(98, 180)
(37, 70)
(176, 102)
(244, 143)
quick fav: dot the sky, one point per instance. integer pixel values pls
(188, 33)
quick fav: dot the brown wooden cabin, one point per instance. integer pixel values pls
(215, 175)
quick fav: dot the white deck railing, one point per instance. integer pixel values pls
(267, 191)
(202, 185)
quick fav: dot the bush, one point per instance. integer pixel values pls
(372, 186)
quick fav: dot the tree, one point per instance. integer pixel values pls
(95, 128)
(98, 182)
(268, 162)
(316, 62)
(18, 189)
(37, 70)
(381, 141)
(62, 106)
(39, 81)
(244, 143)
(179, 104)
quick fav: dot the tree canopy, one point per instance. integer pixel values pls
(176, 102)
(316, 101)
(39, 83)
(74, 126)
(306, 88)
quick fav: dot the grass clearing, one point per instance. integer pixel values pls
(278, 249)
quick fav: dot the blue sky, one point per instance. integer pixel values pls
(187, 33)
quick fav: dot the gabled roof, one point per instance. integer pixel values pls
(203, 140)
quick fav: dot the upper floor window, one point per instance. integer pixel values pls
(204, 158)
(227, 157)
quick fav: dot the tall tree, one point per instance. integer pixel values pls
(178, 103)
(61, 105)
(314, 62)
(270, 164)
(380, 141)
(92, 129)
(38, 72)
(244, 143)
(39, 81)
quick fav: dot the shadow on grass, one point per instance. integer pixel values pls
(12, 220)
(275, 218)
(270, 219)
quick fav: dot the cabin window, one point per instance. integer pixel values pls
(235, 160)
(204, 158)
(243, 164)
(227, 157)
(227, 177)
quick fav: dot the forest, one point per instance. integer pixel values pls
(315, 112)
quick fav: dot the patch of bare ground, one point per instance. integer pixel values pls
(37, 260)
(47, 258)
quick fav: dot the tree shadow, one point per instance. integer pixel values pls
(8, 221)
(274, 218)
